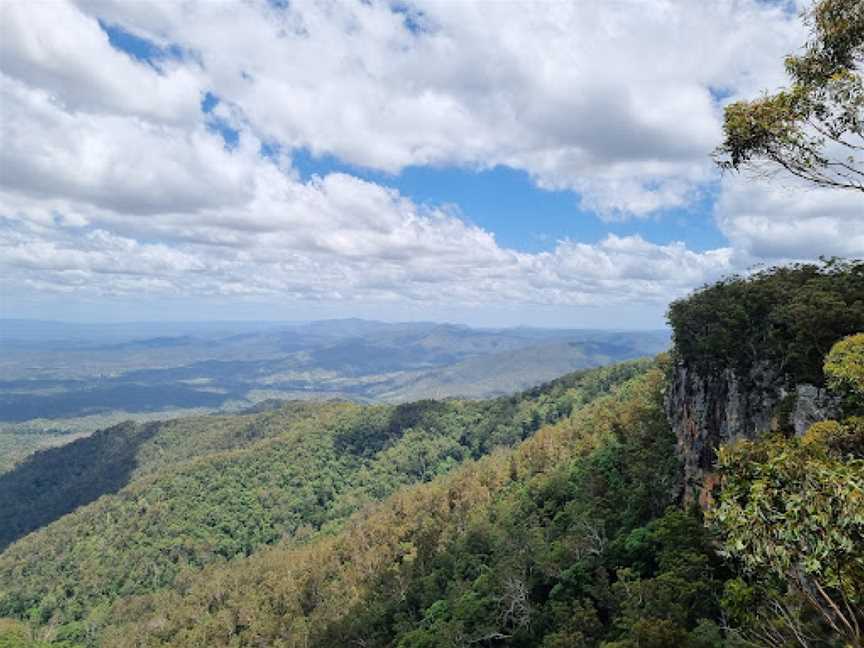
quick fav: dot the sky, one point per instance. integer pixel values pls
(494, 163)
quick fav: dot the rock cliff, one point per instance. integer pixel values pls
(706, 411)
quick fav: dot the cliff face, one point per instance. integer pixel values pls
(708, 411)
(746, 349)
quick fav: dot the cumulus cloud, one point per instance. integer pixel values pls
(336, 237)
(785, 220)
(115, 182)
(124, 163)
(615, 100)
(54, 46)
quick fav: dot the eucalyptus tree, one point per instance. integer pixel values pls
(814, 128)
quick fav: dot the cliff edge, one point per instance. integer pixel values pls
(748, 356)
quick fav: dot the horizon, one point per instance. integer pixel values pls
(641, 316)
(455, 324)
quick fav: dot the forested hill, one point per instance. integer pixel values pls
(180, 495)
(748, 358)
(553, 518)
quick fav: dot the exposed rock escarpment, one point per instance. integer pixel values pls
(707, 411)
(748, 356)
(812, 404)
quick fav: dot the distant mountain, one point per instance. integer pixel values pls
(30, 331)
(508, 371)
(51, 371)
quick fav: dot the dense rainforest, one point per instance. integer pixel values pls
(787, 316)
(552, 518)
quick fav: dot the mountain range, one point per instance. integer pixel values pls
(60, 381)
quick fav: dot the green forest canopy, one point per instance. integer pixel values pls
(787, 317)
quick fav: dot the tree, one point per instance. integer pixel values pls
(791, 511)
(787, 315)
(814, 129)
(844, 368)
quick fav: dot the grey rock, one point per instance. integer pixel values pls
(706, 412)
(812, 404)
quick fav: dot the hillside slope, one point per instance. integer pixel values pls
(504, 373)
(552, 518)
(56, 481)
(467, 559)
(181, 514)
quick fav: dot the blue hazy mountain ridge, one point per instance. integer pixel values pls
(52, 370)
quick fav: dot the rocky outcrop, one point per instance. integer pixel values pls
(708, 411)
(812, 404)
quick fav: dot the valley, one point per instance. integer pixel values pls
(582, 511)
(61, 381)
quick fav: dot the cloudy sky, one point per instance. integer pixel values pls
(490, 162)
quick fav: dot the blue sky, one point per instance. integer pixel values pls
(458, 161)
(502, 200)
(523, 216)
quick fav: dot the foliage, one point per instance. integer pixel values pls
(784, 319)
(283, 475)
(567, 540)
(791, 516)
(843, 439)
(791, 512)
(815, 128)
(56, 481)
(844, 369)
(14, 634)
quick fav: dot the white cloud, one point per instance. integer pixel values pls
(52, 45)
(120, 162)
(782, 220)
(611, 99)
(337, 238)
(113, 184)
